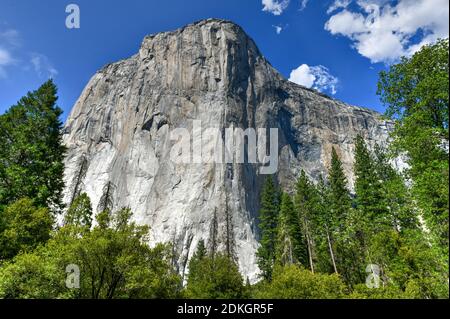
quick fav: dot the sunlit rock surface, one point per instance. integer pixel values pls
(118, 137)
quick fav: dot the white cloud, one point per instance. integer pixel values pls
(338, 4)
(43, 66)
(316, 77)
(275, 7)
(8, 39)
(303, 4)
(5, 60)
(10, 42)
(384, 31)
(5, 57)
(278, 28)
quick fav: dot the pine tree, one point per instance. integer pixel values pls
(284, 245)
(31, 150)
(304, 204)
(290, 247)
(369, 199)
(268, 226)
(396, 195)
(325, 220)
(344, 229)
(370, 214)
(201, 250)
(80, 212)
(340, 202)
(213, 276)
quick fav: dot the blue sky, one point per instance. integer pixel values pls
(336, 46)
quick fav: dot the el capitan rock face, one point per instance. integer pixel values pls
(119, 148)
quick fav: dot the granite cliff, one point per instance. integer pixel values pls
(118, 137)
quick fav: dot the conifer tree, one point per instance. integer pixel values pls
(31, 150)
(325, 220)
(201, 250)
(396, 195)
(213, 277)
(370, 214)
(268, 226)
(80, 212)
(340, 202)
(369, 201)
(290, 242)
(344, 229)
(303, 202)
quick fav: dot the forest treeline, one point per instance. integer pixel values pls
(387, 238)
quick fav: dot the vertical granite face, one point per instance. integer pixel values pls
(118, 136)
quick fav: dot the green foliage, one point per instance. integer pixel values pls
(415, 92)
(290, 247)
(321, 229)
(339, 195)
(396, 196)
(213, 277)
(304, 199)
(418, 87)
(409, 267)
(33, 275)
(293, 282)
(368, 191)
(31, 152)
(268, 226)
(343, 229)
(361, 291)
(25, 226)
(80, 212)
(114, 262)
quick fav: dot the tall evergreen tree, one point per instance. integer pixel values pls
(344, 230)
(325, 221)
(304, 205)
(370, 215)
(31, 150)
(290, 247)
(396, 196)
(268, 226)
(340, 202)
(368, 189)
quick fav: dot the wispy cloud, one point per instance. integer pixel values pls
(11, 37)
(5, 60)
(276, 7)
(8, 40)
(12, 54)
(43, 66)
(338, 4)
(278, 28)
(383, 31)
(316, 77)
(303, 4)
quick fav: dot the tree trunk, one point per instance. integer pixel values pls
(331, 251)
(308, 244)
